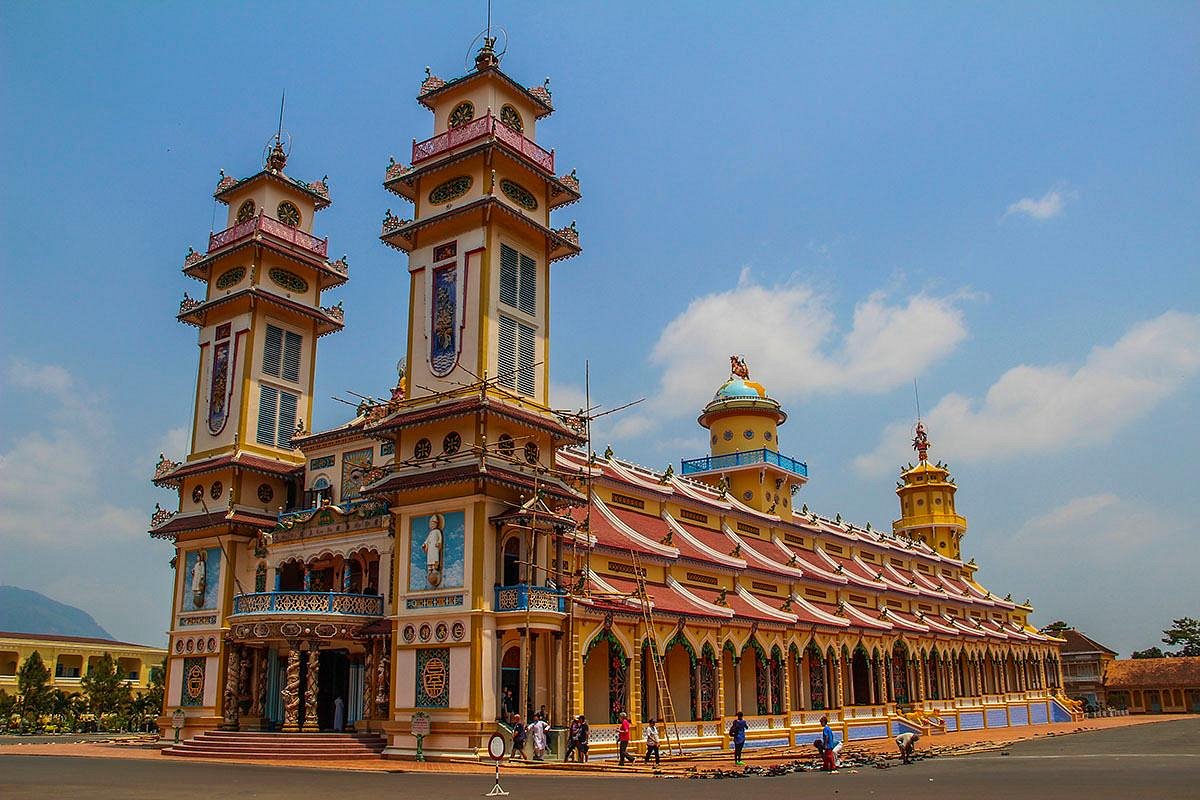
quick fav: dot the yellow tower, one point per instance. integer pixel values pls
(745, 458)
(926, 494)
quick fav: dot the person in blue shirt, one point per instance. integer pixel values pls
(737, 732)
(831, 742)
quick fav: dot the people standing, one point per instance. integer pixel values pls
(582, 738)
(507, 705)
(737, 732)
(652, 742)
(907, 743)
(519, 734)
(537, 732)
(572, 738)
(339, 714)
(623, 734)
(831, 743)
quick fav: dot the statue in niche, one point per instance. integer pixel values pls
(433, 551)
(199, 581)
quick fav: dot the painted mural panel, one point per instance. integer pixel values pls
(219, 390)
(355, 465)
(191, 692)
(436, 551)
(201, 578)
(433, 678)
(443, 345)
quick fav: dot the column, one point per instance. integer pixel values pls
(558, 710)
(737, 683)
(919, 667)
(954, 688)
(721, 678)
(523, 689)
(233, 686)
(310, 689)
(635, 681)
(291, 691)
(260, 683)
(850, 688)
(889, 677)
(839, 683)
(788, 690)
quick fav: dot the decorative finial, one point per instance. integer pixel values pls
(738, 368)
(608, 453)
(428, 71)
(921, 442)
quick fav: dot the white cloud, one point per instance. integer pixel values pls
(567, 397)
(53, 481)
(794, 345)
(1047, 206)
(174, 444)
(1042, 409)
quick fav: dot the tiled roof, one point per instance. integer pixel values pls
(1081, 643)
(1153, 673)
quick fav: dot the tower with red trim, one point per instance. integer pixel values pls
(926, 493)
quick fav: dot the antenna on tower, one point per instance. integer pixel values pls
(489, 19)
(917, 397)
(279, 130)
(275, 153)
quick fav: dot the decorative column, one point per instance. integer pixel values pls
(310, 689)
(634, 683)
(919, 666)
(954, 688)
(258, 707)
(722, 712)
(788, 690)
(873, 667)
(233, 682)
(382, 680)
(291, 691)
(838, 683)
(369, 679)
(885, 680)
(737, 684)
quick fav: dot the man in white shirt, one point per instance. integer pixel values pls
(907, 743)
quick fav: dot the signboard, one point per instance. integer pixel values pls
(420, 724)
(496, 747)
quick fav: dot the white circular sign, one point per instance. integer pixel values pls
(496, 747)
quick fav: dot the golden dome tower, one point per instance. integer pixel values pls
(926, 494)
(745, 457)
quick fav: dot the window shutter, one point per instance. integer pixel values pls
(508, 275)
(291, 355)
(272, 350)
(287, 418)
(526, 352)
(506, 364)
(268, 399)
(527, 294)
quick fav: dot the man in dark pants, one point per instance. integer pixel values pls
(737, 732)
(623, 739)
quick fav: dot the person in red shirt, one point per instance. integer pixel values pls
(623, 739)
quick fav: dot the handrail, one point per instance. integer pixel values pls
(270, 225)
(518, 597)
(761, 456)
(299, 602)
(487, 125)
(345, 507)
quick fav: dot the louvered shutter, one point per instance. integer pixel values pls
(525, 360)
(291, 355)
(287, 418)
(509, 265)
(506, 364)
(273, 350)
(527, 291)
(268, 399)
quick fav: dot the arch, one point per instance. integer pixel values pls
(776, 680)
(815, 661)
(605, 688)
(901, 691)
(860, 676)
(510, 561)
(680, 666)
(708, 682)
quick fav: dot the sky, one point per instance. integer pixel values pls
(996, 200)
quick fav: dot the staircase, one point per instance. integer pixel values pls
(282, 746)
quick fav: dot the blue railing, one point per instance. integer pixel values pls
(536, 598)
(336, 603)
(345, 507)
(763, 456)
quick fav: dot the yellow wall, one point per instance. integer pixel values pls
(14, 651)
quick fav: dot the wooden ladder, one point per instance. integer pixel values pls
(666, 710)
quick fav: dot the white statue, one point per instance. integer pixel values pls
(433, 551)
(199, 581)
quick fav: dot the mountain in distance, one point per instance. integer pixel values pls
(27, 611)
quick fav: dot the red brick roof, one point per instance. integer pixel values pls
(1153, 673)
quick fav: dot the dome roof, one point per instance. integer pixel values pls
(739, 387)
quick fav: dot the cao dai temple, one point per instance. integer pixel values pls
(458, 543)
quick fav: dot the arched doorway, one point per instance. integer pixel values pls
(510, 681)
(679, 664)
(900, 673)
(815, 665)
(605, 687)
(708, 683)
(860, 676)
(510, 562)
(776, 674)
(793, 667)
(730, 678)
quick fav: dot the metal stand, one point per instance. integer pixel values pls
(420, 751)
(496, 790)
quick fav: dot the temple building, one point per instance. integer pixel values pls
(458, 550)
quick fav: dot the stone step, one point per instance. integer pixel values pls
(266, 745)
(369, 755)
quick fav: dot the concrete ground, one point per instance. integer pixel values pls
(1160, 760)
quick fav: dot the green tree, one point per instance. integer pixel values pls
(1056, 627)
(105, 687)
(1149, 652)
(33, 683)
(1185, 632)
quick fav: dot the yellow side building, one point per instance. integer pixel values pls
(69, 658)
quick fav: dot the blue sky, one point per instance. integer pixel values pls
(998, 200)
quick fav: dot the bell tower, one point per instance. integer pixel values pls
(926, 493)
(745, 459)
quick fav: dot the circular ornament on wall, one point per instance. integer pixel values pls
(265, 493)
(749, 434)
(215, 491)
(179, 645)
(451, 443)
(410, 634)
(197, 493)
(512, 118)
(747, 495)
(212, 645)
(424, 632)
(246, 211)
(422, 449)
(532, 451)
(458, 631)
(288, 280)
(441, 632)
(506, 445)
(231, 277)
(450, 190)
(288, 214)
(463, 113)
(727, 436)
(518, 194)
(191, 645)
(767, 435)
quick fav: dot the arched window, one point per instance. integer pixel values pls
(288, 214)
(246, 211)
(320, 492)
(511, 562)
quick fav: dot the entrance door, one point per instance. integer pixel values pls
(1154, 700)
(510, 681)
(333, 682)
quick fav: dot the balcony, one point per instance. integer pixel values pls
(484, 127)
(273, 227)
(744, 458)
(365, 507)
(522, 596)
(331, 604)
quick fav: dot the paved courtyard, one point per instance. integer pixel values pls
(1142, 761)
